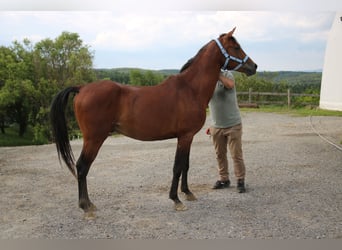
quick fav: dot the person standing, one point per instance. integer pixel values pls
(226, 131)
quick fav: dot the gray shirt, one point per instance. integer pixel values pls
(223, 105)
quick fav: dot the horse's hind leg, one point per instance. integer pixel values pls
(83, 166)
(84, 162)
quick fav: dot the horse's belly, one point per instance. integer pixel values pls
(142, 132)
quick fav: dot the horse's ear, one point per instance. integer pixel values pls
(231, 32)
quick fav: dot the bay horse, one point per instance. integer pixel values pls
(175, 108)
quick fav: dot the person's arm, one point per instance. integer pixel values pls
(227, 82)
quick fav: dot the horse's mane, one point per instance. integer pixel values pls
(190, 61)
(187, 64)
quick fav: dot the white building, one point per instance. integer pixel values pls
(331, 86)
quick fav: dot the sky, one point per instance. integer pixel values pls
(166, 37)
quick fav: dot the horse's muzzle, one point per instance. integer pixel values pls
(250, 68)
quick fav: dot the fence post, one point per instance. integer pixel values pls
(288, 98)
(250, 95)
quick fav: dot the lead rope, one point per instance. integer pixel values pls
(322, 137)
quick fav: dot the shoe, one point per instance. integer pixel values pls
(241, 186)
(221, 184)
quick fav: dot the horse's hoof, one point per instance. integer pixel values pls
(87, 206)
(180, 207)
(90, 215)
(190, 197)
(92, 208)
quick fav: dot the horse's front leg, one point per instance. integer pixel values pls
(181, 167)
(184, 186)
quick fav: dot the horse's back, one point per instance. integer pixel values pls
(99, 87)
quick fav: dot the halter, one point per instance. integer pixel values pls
(229, 57)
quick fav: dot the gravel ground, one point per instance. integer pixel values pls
(293, 182)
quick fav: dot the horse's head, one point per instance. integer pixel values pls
(236, 58)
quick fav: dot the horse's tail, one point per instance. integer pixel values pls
(59, 127)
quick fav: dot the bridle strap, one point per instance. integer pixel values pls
(229, 57)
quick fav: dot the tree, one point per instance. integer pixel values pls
(144, 78)
(58, 63)
(113, 74)
(17, 91)
(66, 61)
(18, 98)
(30, 76)
(6, 59)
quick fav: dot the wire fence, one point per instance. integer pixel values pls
(253, 99)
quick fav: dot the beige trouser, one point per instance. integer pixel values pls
(223, 137)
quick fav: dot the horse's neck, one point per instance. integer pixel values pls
(203, 75)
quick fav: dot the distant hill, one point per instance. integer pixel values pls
(168, 71)
(127, 70)
(290, 77)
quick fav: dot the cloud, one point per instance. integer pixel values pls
(173, 36)
(129, 31)
(139, 29)
(157, 5)
(136, 31)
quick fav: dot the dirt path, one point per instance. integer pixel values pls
(293, 180)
